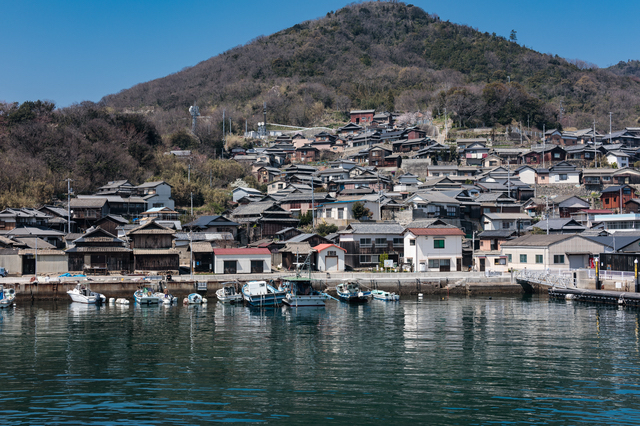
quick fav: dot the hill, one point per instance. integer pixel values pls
(389, 56)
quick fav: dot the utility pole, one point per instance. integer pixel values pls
(223, 129)
(192, 206)
(544, 140)
(595, 152)
(445, 125)
(68, 204)
(313, 211)
(379, 215)
(547, 201)
(189, 174)
(610, 113)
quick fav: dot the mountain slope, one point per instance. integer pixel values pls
(386, 56)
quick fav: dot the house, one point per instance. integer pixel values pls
(267, 174)
(14, 218)
(619, 158)
(564, 172)
(544, 252)
(463, 144)
(307, 154)
(491, 160)
(363, 117)
(488, 256)
(153, 249)
(434, 204)
(550, 154)
(99, 251)
(18, 256)
(434, 247)
(242, 260)
(558, 226)
(156, 194)
(365, 242)
(240, 192)
(586, 217)
(527, 174)
(619, 222)
(261, 220)
(300, 203)
(213, 224)
(580, 152)
(567, 205)
(409, 145)
(330, 257)
(349, 129)
(110, 223)
(85, 211)
(615, 197)
(475, 153)
(510, 221)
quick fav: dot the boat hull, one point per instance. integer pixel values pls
(145, 299)
(81, 298)
(263, 295)
(360, 297)
(385, 296)
(300, 301)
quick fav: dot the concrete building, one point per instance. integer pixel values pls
(330, 257)
(435, 248)
(242, 260)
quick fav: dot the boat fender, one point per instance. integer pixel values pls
(112, 300)
(204, 300)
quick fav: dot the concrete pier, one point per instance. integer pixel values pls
(596, 296)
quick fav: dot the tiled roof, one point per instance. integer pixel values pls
(321, 247)
(436, 231)
(240, 251)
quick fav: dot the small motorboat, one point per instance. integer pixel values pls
(7, 296)
(259, 293)
(163, 295)
(81, 293)
(300, 292)
(385, 295)
(195, 299)
(350, 292)
(145, 296)
(228, 293)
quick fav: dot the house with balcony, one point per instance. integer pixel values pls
(155, 194)
(564, 172)
(488, 255)
(365, 242)
(434, 204)
(434, 246)
(505, 221)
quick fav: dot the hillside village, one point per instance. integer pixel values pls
(391, 193)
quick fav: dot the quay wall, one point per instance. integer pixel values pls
(404, 284)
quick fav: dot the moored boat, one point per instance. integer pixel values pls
(300, 292)
(195, 299)
(259, 293)
(228, 293)
(385, 295)
(350, 292)
(145, 296)
(7, 296)
(81, 293)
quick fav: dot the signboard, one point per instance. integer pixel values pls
(388, 263)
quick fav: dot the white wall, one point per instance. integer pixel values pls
(527, 176)
(243, 262)
(554, 177)
(424, 250)
(322, 266)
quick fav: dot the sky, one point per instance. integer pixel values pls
(74, 51)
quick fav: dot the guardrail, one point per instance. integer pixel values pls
(542, 277)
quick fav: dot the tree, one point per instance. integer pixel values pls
(382, 258)
(360, 211)
(306, 218)
(513, 36)
(324, 229)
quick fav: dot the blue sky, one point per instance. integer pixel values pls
(71, 51)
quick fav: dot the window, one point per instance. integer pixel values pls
(509, 258)
(158, 204)
(451, 211)
(398, 242)
(506, 225)
(486, 210)
(368, 258)
(332, 253)
(493, 163)
(556, 155)
(257, 266)
(563, 177)
(230, 266)
(438, 244)
(365, 242)
(539, 258)
(558, 258)
(436, 174)
(500, 261)
(340, 213)
(523, 258)
(412, 242)
(381, 241)
(434, 263)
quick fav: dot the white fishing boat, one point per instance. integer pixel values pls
(195, 299)
(228, 293)
(299, 289)
(163, 295)
(259, 293)
(350, 292)
(145, 296)
(385, 295)
(81, 293)
(7, 296)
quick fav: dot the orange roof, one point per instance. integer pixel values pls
(435, 231)
(221, 251)
(321, 247)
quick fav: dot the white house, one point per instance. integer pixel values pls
(242, 260)
(330, 257)
(435, 248)
(564, 172)
(527, 174)
(504, 221)
(156, 194)
(543, 252)
(239, 193)
(619, 158)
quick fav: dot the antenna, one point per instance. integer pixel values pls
(195, 112)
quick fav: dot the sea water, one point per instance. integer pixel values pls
(457, 360)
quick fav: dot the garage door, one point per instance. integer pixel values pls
(331, 263)
(576, 261)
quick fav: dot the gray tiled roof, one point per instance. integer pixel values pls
(375, 228)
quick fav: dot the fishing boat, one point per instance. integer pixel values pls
(259, 293)
(195, 299)
(81, 293)
(163, 295)
(145, 296)
(385, 295)
(350, 292)
(7, 296)
(299, 289)
(228, 293)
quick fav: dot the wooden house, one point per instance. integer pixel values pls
(153, 249)
(99, 251)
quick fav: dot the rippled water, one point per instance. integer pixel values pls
(439, 361)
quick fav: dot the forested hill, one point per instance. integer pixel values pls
(387, 56)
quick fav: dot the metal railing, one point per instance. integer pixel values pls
(612, 275)
(543, 277)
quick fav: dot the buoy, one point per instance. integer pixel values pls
(204, 300)
(185, 301)
(420, 295)
(122, 301)
(112, 300)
